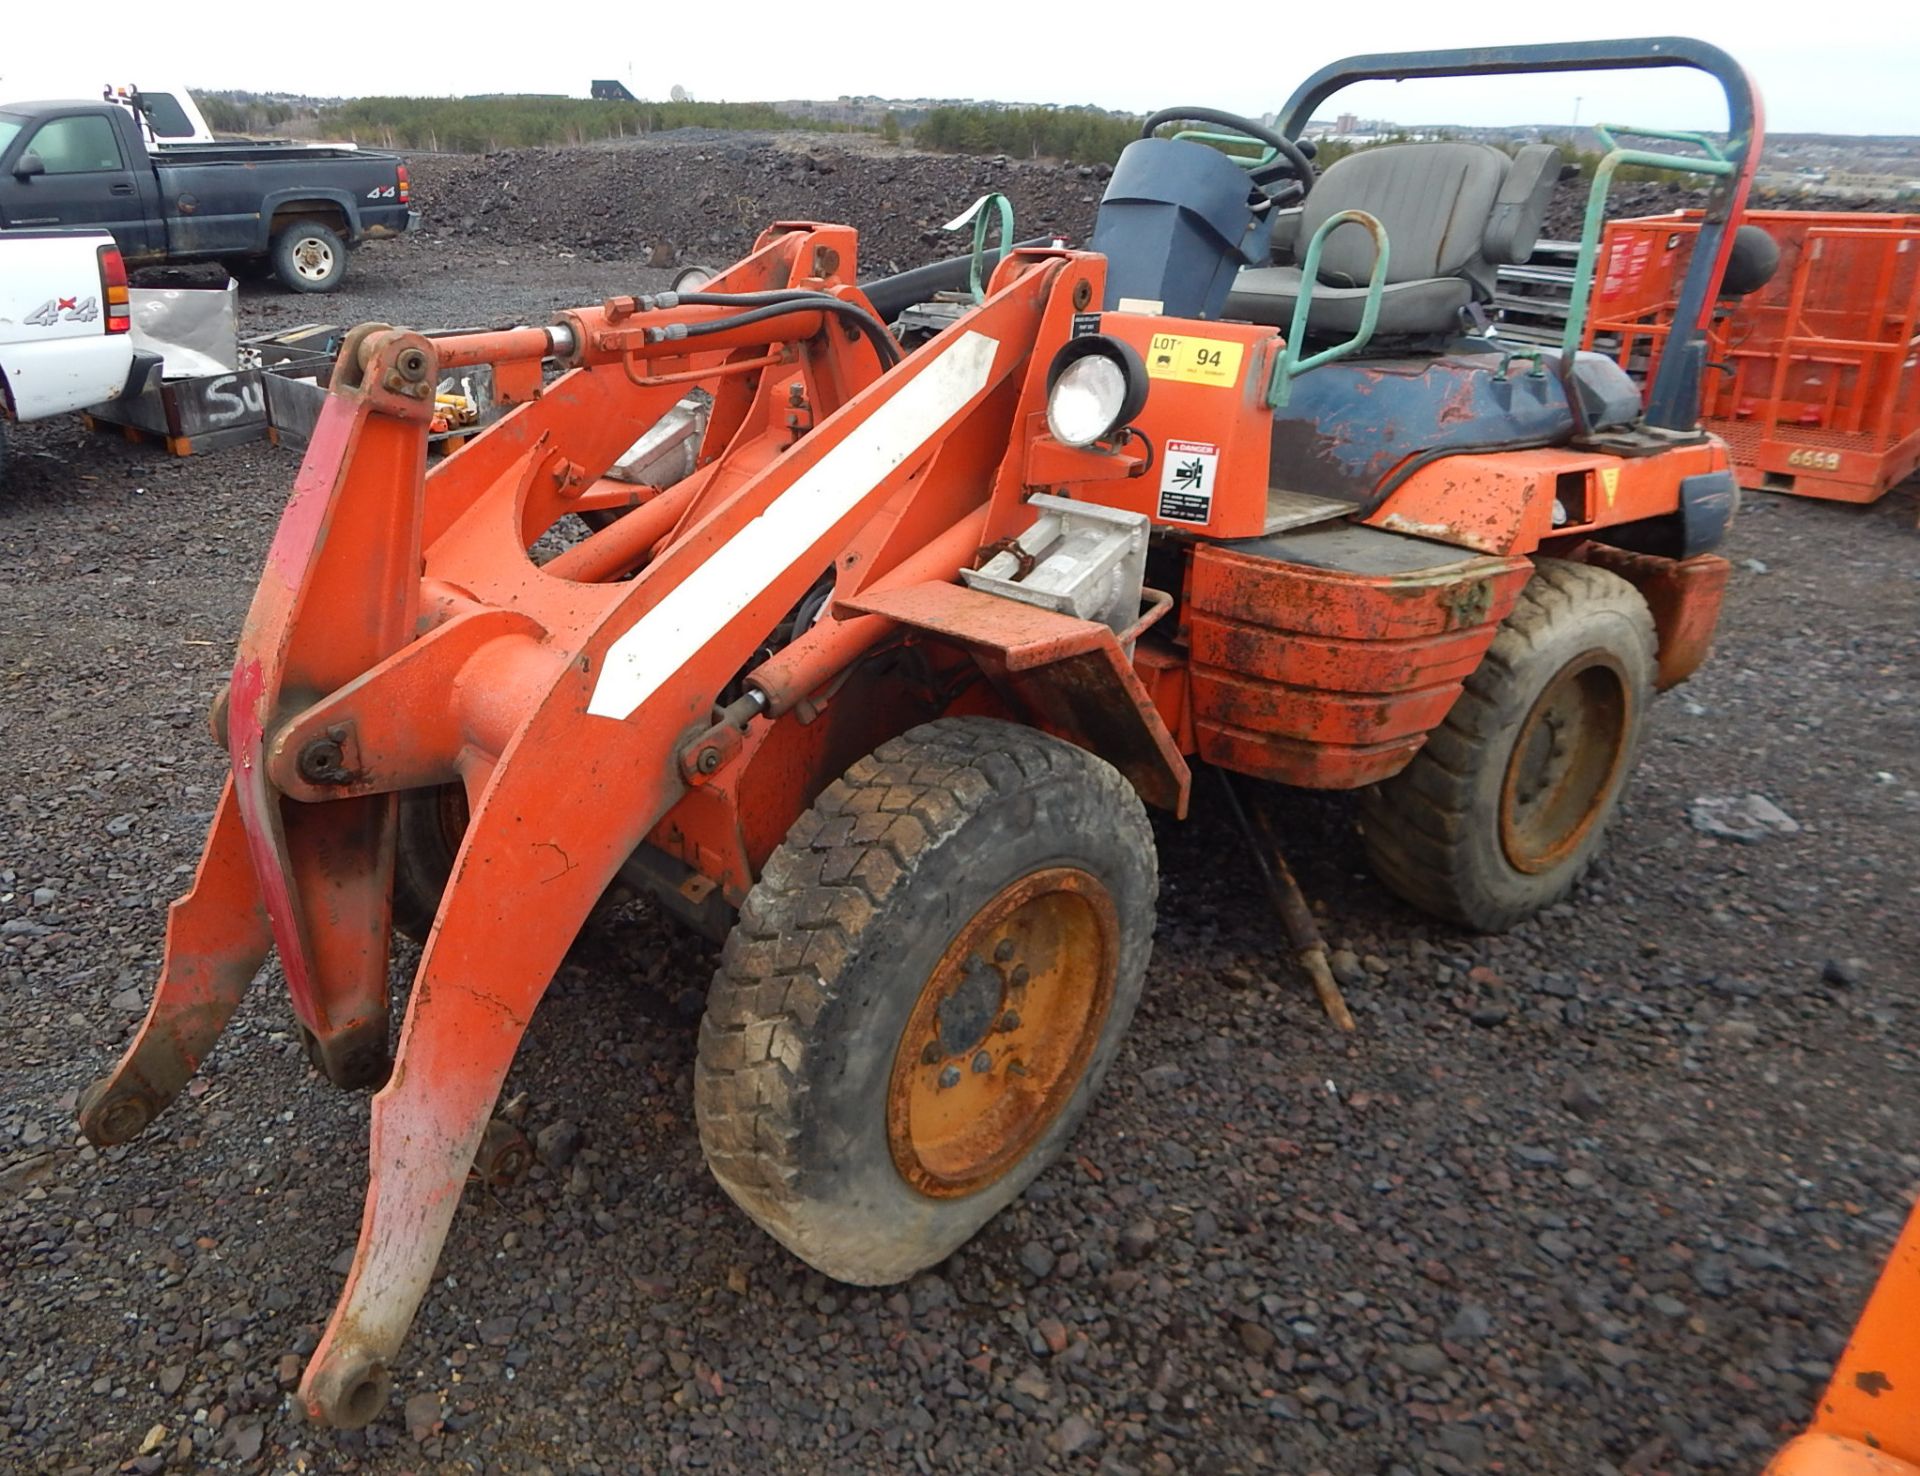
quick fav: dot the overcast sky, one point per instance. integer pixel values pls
(1860, 74)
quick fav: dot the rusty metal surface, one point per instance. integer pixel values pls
(1331, 677)
(1022, 635)
(1349, 424)
(1067, 676)
(1519, 501)
(1684, 598)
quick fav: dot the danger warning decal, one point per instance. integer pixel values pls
(1194, 360)
(1186, 480)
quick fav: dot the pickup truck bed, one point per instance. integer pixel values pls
(80, 164)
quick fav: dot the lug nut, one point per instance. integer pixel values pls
(1010, 1020)
(950, 1078)
(930, 1053)
(1019, 977)
(982, 1063)
(1003, 951)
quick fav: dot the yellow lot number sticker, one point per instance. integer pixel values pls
(1194, 360)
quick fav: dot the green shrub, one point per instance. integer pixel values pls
(1080, 134)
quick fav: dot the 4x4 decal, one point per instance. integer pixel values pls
(63, 309)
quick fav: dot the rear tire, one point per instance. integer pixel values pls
(923, 992)
(1503, 810)
(309, 257)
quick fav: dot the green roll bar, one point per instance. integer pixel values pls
(1290, 365)
(977, 213)
(1715, 163)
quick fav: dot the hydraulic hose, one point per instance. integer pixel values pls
(763, 306)
(891, 296)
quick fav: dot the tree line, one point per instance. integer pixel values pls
(473, 125)
(1080, 134)
(477, 125)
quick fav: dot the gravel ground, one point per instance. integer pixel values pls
(1601, 1195)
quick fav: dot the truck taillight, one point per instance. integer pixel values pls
(113, 289)
(405, 183)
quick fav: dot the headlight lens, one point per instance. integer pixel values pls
(1086, 400)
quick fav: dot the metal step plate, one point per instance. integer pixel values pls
(1287, 509)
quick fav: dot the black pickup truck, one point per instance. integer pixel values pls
(299, 206)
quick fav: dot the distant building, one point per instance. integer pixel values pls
(608, 91)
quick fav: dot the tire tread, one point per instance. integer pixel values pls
(861, 841)
(1416, 825)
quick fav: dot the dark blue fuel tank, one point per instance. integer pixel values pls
(1349, 423)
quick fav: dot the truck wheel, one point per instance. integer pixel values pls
(1506, 805)
(309, 257)
(923, 992)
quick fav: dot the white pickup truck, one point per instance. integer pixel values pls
(65, 340)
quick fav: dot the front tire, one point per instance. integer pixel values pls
(429, 828)
(1505, 807)
(309, 257)
(923, 992)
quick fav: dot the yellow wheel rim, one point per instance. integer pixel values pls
(1002, 1032)
(1566, 763)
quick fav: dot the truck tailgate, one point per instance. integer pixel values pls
(55, 352)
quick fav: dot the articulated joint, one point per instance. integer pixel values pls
(396, 369)
(707, 754)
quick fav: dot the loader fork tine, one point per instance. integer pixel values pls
(487, 964)
(217, 938)
(348, 545)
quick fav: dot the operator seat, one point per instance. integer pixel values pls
(1453, 212)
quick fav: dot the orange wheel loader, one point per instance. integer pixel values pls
(875, 668)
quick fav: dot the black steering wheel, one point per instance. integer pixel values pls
(1284, 181)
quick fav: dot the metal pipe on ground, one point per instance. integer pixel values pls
(1309, 948)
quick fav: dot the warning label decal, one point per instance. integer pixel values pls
(1186, 480)
(1194, 360)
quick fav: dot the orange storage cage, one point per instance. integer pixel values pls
(1814, 380)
